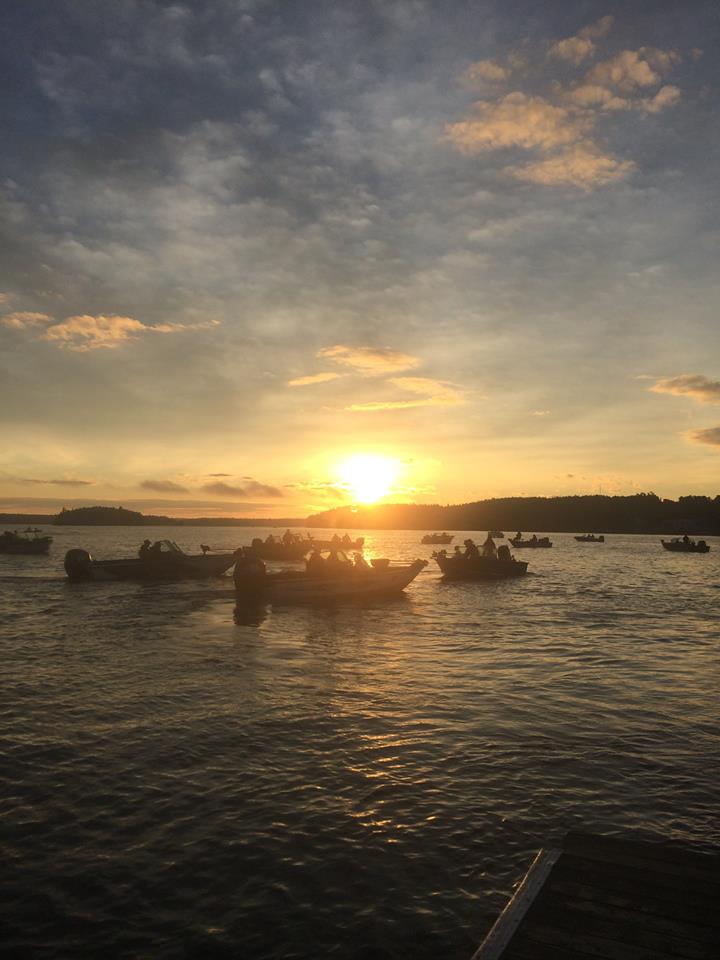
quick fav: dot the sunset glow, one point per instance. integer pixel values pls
(369, 477)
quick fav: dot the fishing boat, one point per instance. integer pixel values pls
(292, 551)
(500, 567)
(341, 581)
(532, 542)
(164, 561)
(27, 542)
(337, 543)
(437, 538)
(590, 538)
(497, 534)
(686, 546)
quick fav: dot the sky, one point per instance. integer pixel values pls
(263, 258)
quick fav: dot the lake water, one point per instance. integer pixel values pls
(353, 782)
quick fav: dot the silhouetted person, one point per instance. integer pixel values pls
(144, 549)
(686, 538)
(489, 549)
(471, 550)
(534, 538)
(287, 538)
(315, 563)
(204, 548)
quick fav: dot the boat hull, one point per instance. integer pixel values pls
(29, 547)
(329, 545)
(480, 568)
(437, 538)
(677, 546)
(172, 567)
(600, 539)
(290, 586)
(543, 543)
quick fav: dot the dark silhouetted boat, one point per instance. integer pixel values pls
(341, 543)
(497, 534)
(437, 538)
(590, 538)
(13, 542)
(167, 562)
(292, 552)
(462, 567)
(533, 542)
(686, 546)
(344, 582)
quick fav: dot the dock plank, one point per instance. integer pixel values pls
(613, 898)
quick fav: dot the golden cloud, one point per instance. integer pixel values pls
(83, 333)
(631, 69)
(574, 49)
(485, 71)
(581, 166)
(518, 121)
(25, 318)
(313, 378)
(692, 385)
(431, 393)
(369, 361)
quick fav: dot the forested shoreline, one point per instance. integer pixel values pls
(639, 513)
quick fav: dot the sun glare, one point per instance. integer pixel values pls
(368, 476)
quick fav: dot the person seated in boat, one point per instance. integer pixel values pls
(458, 551)
(533, 538)
(156, 549)
(287, 538)
(489, 549)
(471, 550)
(518, 535)
(144, 549)
(315, 563)
(336, 541)
(345, 541)
(270, 540)
(503, 552)
(686, 538)
(335, 564)
(360, 563)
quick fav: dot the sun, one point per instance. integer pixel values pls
(368, 476)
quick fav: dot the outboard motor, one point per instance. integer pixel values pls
(249, 575)
(78, 565)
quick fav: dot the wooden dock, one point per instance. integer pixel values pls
(603, 898)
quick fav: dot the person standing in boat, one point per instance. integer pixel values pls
(489, 549)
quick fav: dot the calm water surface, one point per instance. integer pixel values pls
(352, 782)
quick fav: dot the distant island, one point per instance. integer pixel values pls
(639, 513)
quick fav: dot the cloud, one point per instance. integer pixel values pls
(370, 361)
(163, 486)
(631, 69)
(252, 488)
(666, 96)
(431, 393)
(25, 318)
(710, 435)
(313, 378)
(574, 49)
(581, 166)
(83, 333)
(517, 120)
(485, 71)
(59, 482)
(692, 385)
